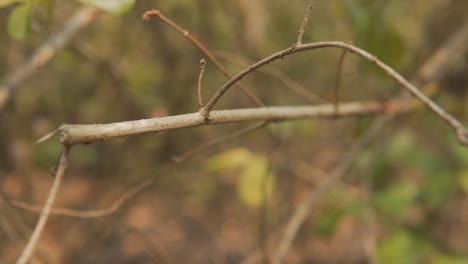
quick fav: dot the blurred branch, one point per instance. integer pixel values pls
(116, 205)
(215, 141)
(32, 242)
(438, 64)
(15, 234)
(303, 210)
(339, 70)
(46, 52)
(158, 14)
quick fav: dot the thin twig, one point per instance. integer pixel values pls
(339, 71)
(461, 131)
(276, 73)
(206, 145)
(116, 205)
(32, 242)
(200, 77)
(300, 33)
(46, 52)
(158, 14)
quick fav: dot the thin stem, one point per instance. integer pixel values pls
(116, 205)
(339, 71)
(300, 32)
(200, 78)
(32, 242)
(158, 14)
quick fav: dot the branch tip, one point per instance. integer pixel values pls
(151, 13)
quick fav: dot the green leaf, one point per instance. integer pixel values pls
(394, 201)
(4, 3)
(116, 7)
(328, 220)
(19, 21)
(255, 184)
(447, 259)
(463, 181)
(402, 248)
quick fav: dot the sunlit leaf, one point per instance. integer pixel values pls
(117, 7)
(4, 3)
(447, 259)
(402, 248)
(19, 21)
(255, 183)
(463, 180)
(233, 158)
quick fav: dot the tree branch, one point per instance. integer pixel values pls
(32, 242)
(461, 131)
(82, 134)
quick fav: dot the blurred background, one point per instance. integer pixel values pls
(405, 199)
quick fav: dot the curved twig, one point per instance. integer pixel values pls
(461, 131)
(116, 205)
(158, 14)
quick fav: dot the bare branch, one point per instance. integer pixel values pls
(158, 14)
(116, 205)
(32, 242)
(200, 77)
(300, 33)
(461, 131)
(81, 134)
(46, 52)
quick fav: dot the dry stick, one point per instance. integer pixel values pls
(32, 242)
(339, 71)
(116, 205)
(82, 134)
(216, 141)
(300, 33)
(200, 77)
(461, 131)
(158, 14)
(46, 52)
(301, 213)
